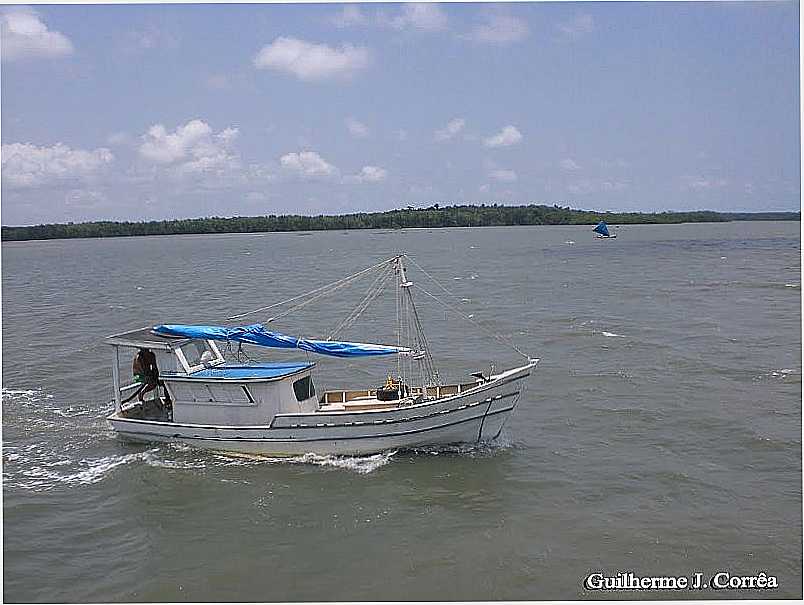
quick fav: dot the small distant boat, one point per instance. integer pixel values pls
(199, 398)
(602, 231)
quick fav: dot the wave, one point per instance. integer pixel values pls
(612, 335)
(24, 395)
(34, 468)
(782, 374)
(484, 449)
(361, 465)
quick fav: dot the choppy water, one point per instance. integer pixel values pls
(660, 434)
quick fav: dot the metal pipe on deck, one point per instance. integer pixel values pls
(118, 400)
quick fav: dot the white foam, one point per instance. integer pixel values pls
(358, 464)
(25, 395)
(612, 335)
(792, 285)
(42, 478)
(42, 470)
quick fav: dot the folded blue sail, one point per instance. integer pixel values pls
(256, 334)
(602, 229)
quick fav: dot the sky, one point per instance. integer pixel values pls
(140, 112)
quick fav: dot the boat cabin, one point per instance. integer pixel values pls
(195, 385)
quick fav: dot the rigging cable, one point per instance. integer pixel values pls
(374, 290)
(317, 297)
(499, 337)
(335, 285)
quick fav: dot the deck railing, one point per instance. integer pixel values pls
(433, 392)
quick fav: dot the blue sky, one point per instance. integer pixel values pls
(167, 111)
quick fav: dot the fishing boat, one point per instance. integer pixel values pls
(602, 231)
(187, 391)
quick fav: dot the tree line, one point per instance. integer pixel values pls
(434, 216)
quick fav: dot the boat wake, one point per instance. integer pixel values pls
(359, 464)
(362, 465)
(484, 449)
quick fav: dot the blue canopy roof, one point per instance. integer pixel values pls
(602, 229)
(256, 334)
(254, 370)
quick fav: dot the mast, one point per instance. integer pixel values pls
(410, 330)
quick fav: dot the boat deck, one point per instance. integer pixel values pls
(150, 409)
(366, 399)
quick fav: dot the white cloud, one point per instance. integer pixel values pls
(702, 183)
(26, 165)
(119, 139)
(309, 61)
(368, 174)
(349, 16)
(85, 198)
(193, 147)
(453, 127)
(615, 163)
(499, 29)
(149, 38)
(509, 135)
(307, 164)
(569, 164)
(421, 16)
(25, 36)
(504, 176)
(582, 187)
(356, 128)
(577, 26)
(614, 185)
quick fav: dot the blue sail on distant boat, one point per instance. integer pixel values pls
(602, 230)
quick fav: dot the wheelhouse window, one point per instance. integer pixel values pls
(193, 352)
(199, 354)
(304, 388)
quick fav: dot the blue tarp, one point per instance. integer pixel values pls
(255, 370)
(256, 334)
(602, 229)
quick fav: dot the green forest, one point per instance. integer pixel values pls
(435, 216)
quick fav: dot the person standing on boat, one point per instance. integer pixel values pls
(145, 371)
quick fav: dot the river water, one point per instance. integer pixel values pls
(660, 434)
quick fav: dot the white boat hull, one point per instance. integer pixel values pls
(476, 415)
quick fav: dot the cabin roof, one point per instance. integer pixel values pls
(145, 338)
(255, 370)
